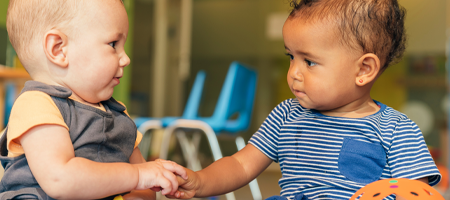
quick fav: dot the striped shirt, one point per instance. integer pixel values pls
(327, 157)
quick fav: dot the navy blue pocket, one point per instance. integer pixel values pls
(361, 161)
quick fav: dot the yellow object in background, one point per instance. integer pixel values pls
(390, 88)
(118, 197)
(17, 63)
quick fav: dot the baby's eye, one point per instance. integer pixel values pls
(290, 56)
(310, 63)
(113, 44)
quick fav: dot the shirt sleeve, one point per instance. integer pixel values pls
(138, 139)
(266, 138)
(409, 157)
(31, 109)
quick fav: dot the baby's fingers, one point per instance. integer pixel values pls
(173, 180)
(185, 190)
(173, 167)
(181, 181)
(166, 186)
(177, 195)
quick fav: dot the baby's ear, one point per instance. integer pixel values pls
(55, 47)
(369, 67)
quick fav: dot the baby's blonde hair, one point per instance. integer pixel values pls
(28, 20)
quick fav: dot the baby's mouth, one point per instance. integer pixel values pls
(117, 79)
(299, 92)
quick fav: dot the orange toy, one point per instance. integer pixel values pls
(406, 188)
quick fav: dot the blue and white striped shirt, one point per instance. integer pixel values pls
(327, 157)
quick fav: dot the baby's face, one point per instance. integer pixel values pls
(322, 71)
(96, 51)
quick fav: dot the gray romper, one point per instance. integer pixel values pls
(96, 135)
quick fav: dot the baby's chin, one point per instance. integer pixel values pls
(97, 99)
(104, 96)
(311, 106)
(305, 104)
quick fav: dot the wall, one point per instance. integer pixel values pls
(426, 24)
(3, 33)
(3, 9)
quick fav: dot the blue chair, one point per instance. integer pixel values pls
(10, 97)
(145, 124)
(236, 99)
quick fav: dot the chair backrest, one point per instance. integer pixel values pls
(10, 97)
(193, 102)
(236, 98)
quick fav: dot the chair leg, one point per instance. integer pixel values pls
(195, 144)
(144, 145)
(193, 124)
(230, 196)
(163, 153)
(254, 187)
(189, 149)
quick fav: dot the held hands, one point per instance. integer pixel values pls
(188, 188)
(160, 175)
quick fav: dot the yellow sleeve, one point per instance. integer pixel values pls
(138, 139)
(139, 134)
(31, 109)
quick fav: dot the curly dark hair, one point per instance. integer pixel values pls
(375, 26)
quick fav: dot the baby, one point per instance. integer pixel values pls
(333, 138)
(67, 138)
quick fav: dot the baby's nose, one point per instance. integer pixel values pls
(124, 60)
(295, 73)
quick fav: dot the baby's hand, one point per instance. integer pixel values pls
(187, 187)
(160, 175)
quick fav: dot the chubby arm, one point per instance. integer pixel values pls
(61, 175)
(224, 175)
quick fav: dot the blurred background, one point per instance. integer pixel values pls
(171, 40)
